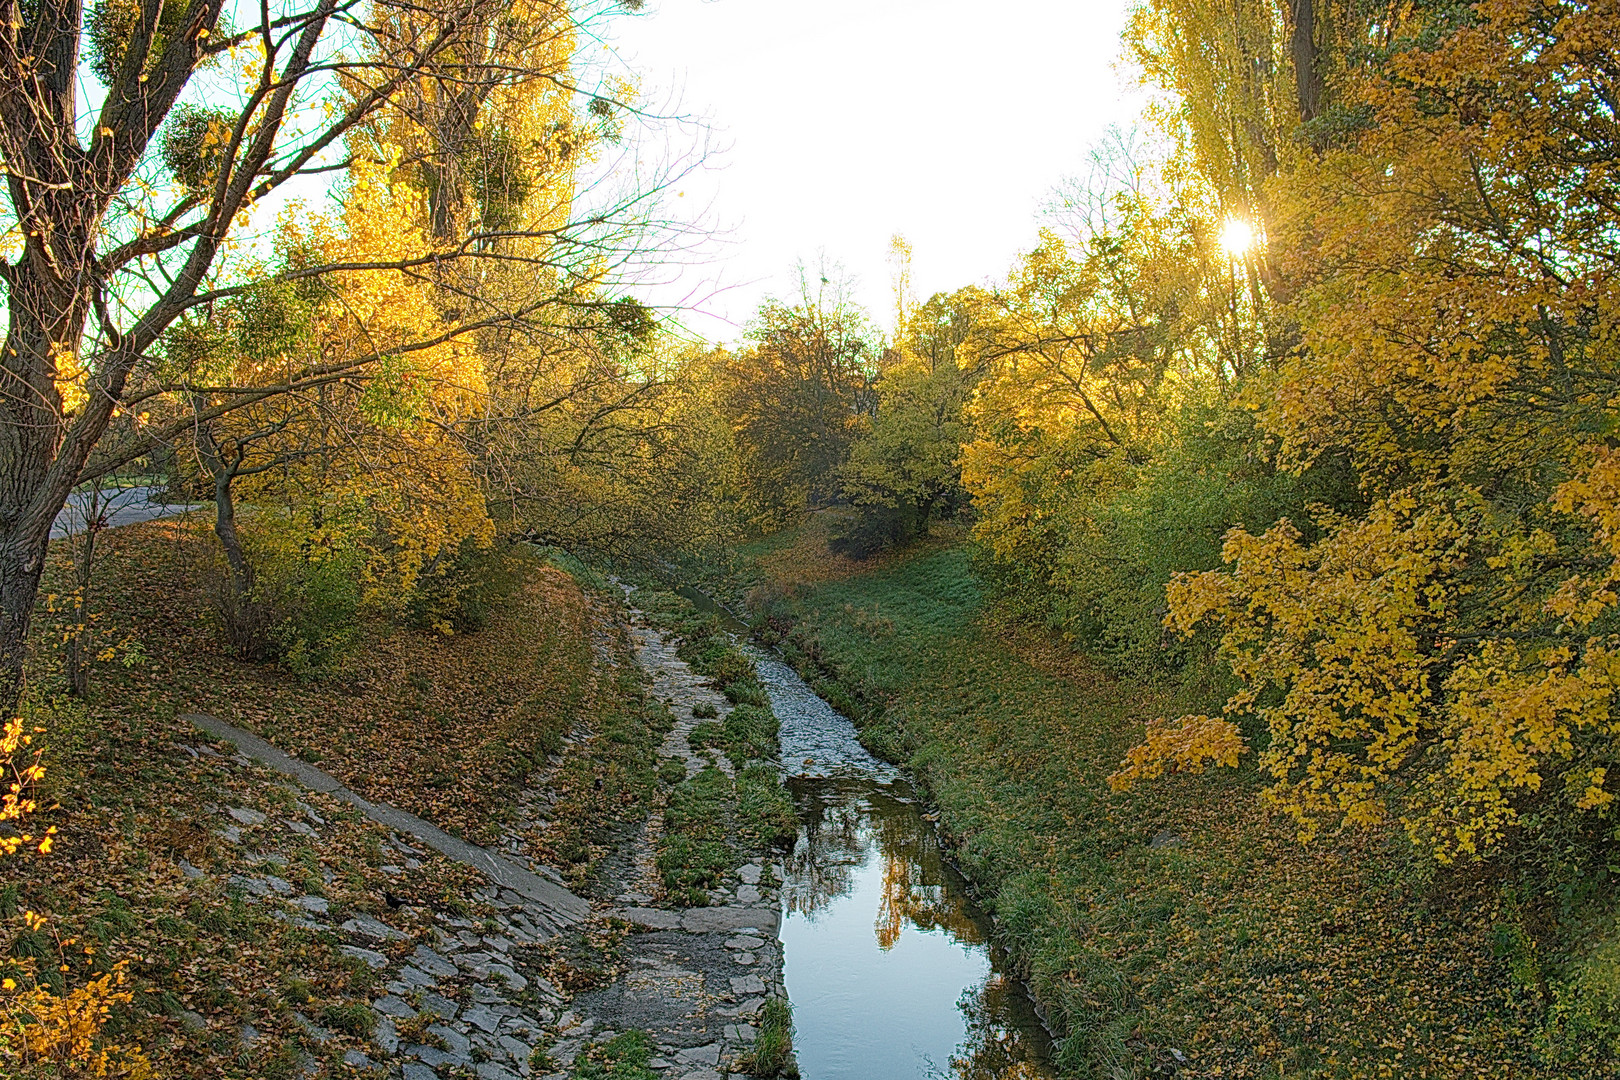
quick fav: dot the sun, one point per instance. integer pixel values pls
(1237, 237)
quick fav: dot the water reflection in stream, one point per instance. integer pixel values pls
(887, 962)
(887, 966)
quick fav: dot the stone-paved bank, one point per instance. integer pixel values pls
(466, 995)
(694, 979)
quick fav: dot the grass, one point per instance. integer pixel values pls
(772, 1052)
(1175, 919)
(446, 727)
(624, 1057)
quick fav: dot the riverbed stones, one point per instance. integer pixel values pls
(651, 918)
(432, 963)
(366, 926)
(370, 957)
(245, 816)
(678, 965)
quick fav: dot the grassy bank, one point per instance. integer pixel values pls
(1173, 928)
(161, 836)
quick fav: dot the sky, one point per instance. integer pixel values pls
(835, 124)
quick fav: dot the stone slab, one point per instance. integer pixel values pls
(651, 918)
(714, 919)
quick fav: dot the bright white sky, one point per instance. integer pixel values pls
(842, 122)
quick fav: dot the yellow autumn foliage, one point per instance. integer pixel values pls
(1374, 702)
(42, 1029)
(20, 772)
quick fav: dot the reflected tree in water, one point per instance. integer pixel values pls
(1003, 1035)
(914, 884)
(843, 825)
(832, 845)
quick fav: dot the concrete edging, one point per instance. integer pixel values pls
(564, 907)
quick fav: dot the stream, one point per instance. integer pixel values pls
(888, 963)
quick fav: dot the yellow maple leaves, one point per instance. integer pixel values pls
(38, 1027)
(20, 772)
(1185, 745)
(1374, 700)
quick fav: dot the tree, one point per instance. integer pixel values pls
(904, 467)
(609, 445)
(1445, 657)
(794, 397)
(126, 228)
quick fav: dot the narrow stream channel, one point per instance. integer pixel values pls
(888, 963)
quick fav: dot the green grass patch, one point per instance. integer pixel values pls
(624, 1057)
(772, 1053)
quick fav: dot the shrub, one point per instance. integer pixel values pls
(458, 590)
(876, 528)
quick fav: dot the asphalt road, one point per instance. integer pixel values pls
(116, 506)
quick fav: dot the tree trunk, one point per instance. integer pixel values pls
(37, 468)
(229, 541)
(1303, 50)
(247, 622)
(79, 650)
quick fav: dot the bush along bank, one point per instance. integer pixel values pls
(1175, 927)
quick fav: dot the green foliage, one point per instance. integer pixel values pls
(1583, 1026)
(746, 691)
(904, 468)
(314, 601)
(698, 807)
(1099, 578)
(711, 822)
(703, 736)
(111, 24)
(792, 400)
(502, 180)
(195, 140)
(610, 781)
(396, 393)
(695, 854)
(460, 589)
